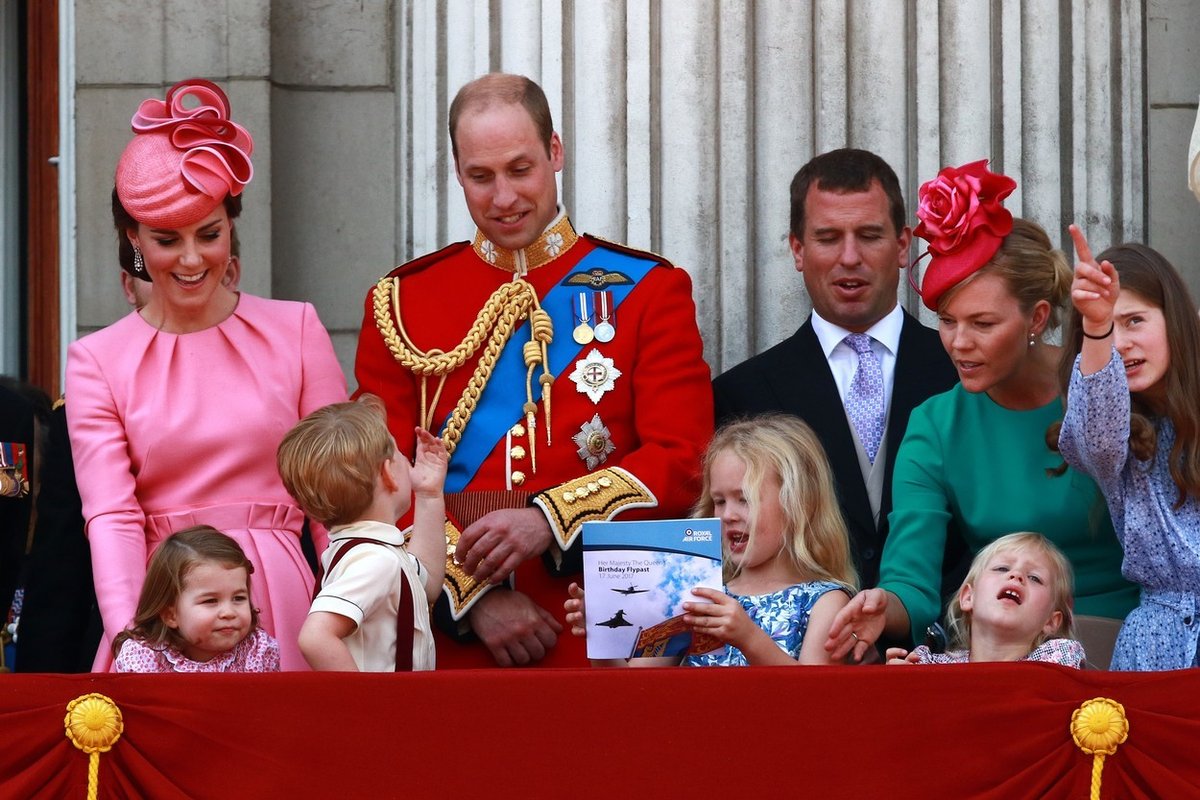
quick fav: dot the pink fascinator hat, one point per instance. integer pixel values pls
(964, 220)
(187, 156)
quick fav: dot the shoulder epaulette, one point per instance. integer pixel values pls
(627, 250)
(418, 264)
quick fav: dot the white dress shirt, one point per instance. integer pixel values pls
(843, 361)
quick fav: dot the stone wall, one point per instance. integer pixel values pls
(683, 121)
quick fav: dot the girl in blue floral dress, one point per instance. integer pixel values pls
(787, 559)
(1133, 424)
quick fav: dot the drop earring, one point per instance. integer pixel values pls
(1032, 340)
(139, 263)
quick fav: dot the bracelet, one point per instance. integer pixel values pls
(1111, 327)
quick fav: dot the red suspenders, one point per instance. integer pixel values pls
(404, 615)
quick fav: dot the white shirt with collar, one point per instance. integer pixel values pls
(365, 588)
(843, 361)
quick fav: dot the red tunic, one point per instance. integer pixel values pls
(658, 411)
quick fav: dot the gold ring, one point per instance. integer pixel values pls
(855, 635)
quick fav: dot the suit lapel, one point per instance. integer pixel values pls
(906, 387)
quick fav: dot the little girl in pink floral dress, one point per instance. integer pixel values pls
(1015, 605)
(195, 612)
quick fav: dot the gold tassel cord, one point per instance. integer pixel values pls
(542, 332)
(501, 315)
(93, 724)
(1098, 726)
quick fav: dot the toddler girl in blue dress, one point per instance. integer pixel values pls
(786, 551)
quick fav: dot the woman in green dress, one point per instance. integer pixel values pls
(976, 457)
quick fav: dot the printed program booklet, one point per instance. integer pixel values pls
(636, 577)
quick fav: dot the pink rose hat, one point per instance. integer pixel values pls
(964, 221)
(186, 157)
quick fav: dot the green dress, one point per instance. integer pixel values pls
(965, 458)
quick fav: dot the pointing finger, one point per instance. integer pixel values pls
(1082, 250)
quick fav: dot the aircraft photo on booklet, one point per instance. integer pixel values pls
(636, 577)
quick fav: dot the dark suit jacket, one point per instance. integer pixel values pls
(17, 426)
(793, 377)
(60, 624)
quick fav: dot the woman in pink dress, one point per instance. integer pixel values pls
(176, 410)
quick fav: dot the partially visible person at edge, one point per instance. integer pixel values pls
(60, 624)
(978, 455)
(176, 410)
(564, 372)
(849, 238)
(23, 415)
(1132, 422)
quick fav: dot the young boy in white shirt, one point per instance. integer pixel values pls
(371, 613)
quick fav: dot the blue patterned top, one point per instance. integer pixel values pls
(783, 615)
(1162, 543)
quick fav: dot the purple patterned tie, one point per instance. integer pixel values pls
(864, 400)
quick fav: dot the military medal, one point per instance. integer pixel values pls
(14, 470)
(595, 375)
(594, 441)
(583, 333)
(604, 328)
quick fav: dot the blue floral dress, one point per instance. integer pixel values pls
(1161, 542)
(783, 615)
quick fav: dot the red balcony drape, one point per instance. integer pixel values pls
(981, 731)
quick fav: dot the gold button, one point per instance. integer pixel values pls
(518, 477)
(568, 497)
(605, 482)
(517, 452)
(582, 491)
(518, 430)
(593, 486)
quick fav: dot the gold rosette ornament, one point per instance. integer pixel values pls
(94, 725)
(1098, 727)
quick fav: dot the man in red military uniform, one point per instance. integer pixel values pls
(564, 372)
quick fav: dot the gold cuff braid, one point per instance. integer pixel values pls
(598, 496)
(460, 588)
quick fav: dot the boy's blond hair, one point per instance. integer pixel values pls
(330, 461)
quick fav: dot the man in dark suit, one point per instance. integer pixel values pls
(849, 237)
(60, 625)
(17, 468)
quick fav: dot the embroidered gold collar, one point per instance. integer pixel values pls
(554, 241)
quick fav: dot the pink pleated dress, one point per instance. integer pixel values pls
(174, 430)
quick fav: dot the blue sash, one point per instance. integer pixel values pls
(497, 412)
